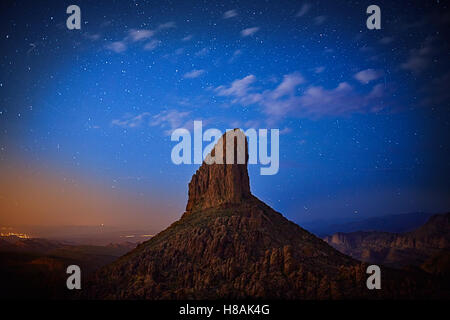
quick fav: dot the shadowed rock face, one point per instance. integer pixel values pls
(214, 185)
(427, 247)
(230, 245)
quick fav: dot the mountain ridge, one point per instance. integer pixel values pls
(231, 245)
(414, 248)
(398, 223)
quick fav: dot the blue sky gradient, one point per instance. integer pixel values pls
(363, 114)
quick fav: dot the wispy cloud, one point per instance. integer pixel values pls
(169, 120)
(303, 10)
(131, 121)
(152, 45)
(319, 20)
(140, 34)
(319, 69)
(288, 85)
(203, 52)
(187, 38)
(435, 93)
(93, 36)
(249, 31)
(386, 40)
(365, 76)
(313, 101)
(230, 14)
(419, 59)
(167, 25)
(166, 120)
(179, 51)
(318, 101)
(117, 46)
(235, 55)
(238, 88)
(285, 130)
(194, 74)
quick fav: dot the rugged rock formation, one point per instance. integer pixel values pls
(229, 244)
(220, 183)
(416, 248)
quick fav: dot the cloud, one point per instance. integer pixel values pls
(314, 101)
(303, 10)
(117, 46)
(319, 69)
(288, 85)
(366, 48)
(365, 76)
(203, 52)
(318, 101)
(187, 38)
(418, 59)
(242, 91)
(152, 45)
(286, 130)
(194, 74)
(230, 14)
(130, 121)
(169, 120)
(238, 88)
(167, 25)
(235, 55)
(179, 51)
(134, 35)
(93, 37)
(436, 94)
(319, 20)
(249, 31)
(386, 40)
(140, 34)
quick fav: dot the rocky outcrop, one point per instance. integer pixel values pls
(219, 183)
(244, 251)
(415, 248)
(231, 245)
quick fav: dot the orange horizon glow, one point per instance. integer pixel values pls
(37, 196)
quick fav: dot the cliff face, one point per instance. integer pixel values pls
(214, 185)
(231, 245)
(416, 248)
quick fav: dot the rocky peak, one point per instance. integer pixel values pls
(223, 176)
(240, 248)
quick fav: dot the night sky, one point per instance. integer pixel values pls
(86, 115)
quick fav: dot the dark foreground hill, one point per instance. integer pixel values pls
(36, 268)
(229, 244)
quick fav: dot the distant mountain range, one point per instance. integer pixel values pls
(427, 247)
(387, 223)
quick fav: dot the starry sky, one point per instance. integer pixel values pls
(86, 115)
